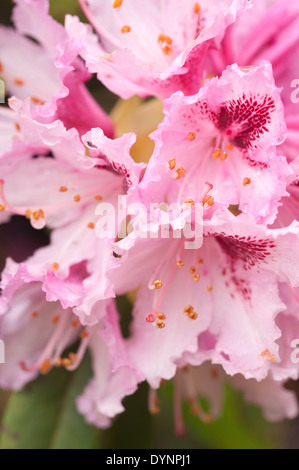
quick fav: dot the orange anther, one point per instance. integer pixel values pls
(160, 315)
(55, 319)
(179, 173)
(171, 163)
(192, 136)
(117, 3)
(246, 181)
(19, 82)
(208, 201)
(46, 366)
(84, 334)
(223, 156)
(196, 8)
(158, 284)
(126, 29)
(167, 50)
(216, 154)
(189, 201)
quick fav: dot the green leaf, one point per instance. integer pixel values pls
(44, 416)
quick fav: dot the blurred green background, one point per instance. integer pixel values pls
(43, 415)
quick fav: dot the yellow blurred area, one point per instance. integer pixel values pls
(141, 117)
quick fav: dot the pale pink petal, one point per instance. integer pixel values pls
(134, 60)
(114, 375)
(275, 400)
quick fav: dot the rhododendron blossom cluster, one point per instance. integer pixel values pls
(202, 232)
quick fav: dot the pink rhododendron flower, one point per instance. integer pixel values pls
(58, 90)
(36, 334)
(151, 48)
(225, 135)
(268, 30)
(207, 233)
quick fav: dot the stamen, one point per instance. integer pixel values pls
(209, 287)
(208, 201)
(224, 156)
(179, 173)
(73, 357)
(55, 266)
(196, 8)
(19, 82)
(98, 197)
(125, 29)
(66, 362)
(171, 163)
(28, 214)
(190, 201)
(34, 314)
(267, 355)
(1, 67)
(192, 270)
(84, 334)
(158, 284)
(192, 315)
(160, 324)
(77, 198)
(230, 147)
(188, 309)
(177, 405)
(17, 126)
(196, 277)
(90, 225)
(39, 214)
(37, 100)
(55, 319)
(246, 181)
(117, 3)
(160, 315)
(192, 136)
(199, 260)
(180, 264)
(63, 189)
(216, 154)
(161, 38)
(46, 366)
(167, 50)
(153, 402)
(2, 207)
(75, 324)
